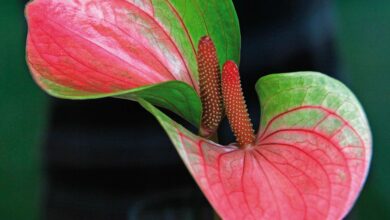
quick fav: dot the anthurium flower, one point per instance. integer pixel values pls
(311, 154)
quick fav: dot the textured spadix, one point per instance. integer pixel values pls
(309, 161)
(210, 87)
(235, 106)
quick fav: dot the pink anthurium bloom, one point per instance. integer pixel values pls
(309, 159)
(311, 155)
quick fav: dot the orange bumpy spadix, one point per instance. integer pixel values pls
(210, 87)
(235, 107)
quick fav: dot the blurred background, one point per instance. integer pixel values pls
(62, 160)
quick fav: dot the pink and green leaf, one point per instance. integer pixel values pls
(310, 159)
(97, 48)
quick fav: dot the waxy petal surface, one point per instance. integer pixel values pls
(83, 48)
(310, 159)
(93, 46)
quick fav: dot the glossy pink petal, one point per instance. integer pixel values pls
(101, 46)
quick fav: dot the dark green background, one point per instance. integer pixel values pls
(22, 121)
(363, 29)
(364, 42)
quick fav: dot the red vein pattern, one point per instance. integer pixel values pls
(295, 171)
(101, 46)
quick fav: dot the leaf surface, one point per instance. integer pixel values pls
(97, 48)
(174, 95)
(310, 159)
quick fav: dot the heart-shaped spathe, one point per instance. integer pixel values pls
(310, 159)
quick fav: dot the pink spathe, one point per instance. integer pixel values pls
(100, 46)
(296, 172)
